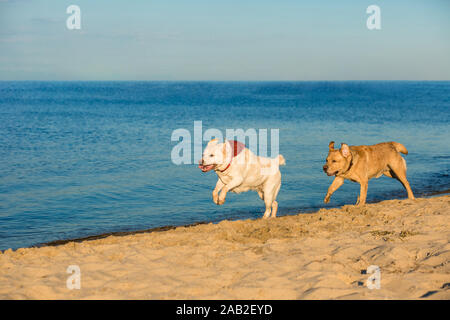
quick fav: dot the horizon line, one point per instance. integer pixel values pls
(391, 80)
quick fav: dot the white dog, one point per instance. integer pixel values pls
(240, 170)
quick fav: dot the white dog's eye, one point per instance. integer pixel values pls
(211, 155)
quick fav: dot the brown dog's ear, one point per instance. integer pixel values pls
(345, 150)
(331, 146)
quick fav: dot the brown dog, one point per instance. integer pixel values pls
(362, 163)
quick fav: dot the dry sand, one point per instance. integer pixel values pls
(307, 256)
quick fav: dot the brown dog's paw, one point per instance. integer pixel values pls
(327, 199)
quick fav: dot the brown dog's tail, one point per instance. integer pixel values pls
(281, 160)
(399, 147)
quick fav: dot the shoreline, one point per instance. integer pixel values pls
(324, 255)
(171, 227)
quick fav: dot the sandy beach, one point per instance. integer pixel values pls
(322, 255)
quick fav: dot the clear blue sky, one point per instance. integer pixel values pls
(224, 40)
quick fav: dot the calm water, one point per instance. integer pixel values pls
(84, 158)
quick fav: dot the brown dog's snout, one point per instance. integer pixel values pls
(325, 167)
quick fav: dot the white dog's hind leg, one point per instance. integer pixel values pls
(268, 202)
(274, 209)
(267, 212)
(268, 208)
(261, 195)
(275, 203)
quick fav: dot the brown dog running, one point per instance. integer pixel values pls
(362, 163)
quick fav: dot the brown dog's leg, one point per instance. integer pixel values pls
(400, 175)
(405, 183)
(336, 184)
(399, 172)
(363, 193)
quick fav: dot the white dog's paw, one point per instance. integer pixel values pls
(215, 198)
(221, 199)
(266, 215)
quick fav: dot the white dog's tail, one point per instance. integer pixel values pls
(281, 160)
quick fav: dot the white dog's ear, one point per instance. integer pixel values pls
(345, 150)
(213, 142)
(224, 149)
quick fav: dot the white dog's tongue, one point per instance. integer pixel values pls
(205, 168)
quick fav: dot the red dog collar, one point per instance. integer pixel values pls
(237, 147)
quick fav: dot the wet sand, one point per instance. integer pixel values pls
(321, 255)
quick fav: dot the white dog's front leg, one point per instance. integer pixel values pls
(235, 182)
(215, 193)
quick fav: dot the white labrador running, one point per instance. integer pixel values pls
(240, 170)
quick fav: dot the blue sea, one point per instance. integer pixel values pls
(86, 158)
